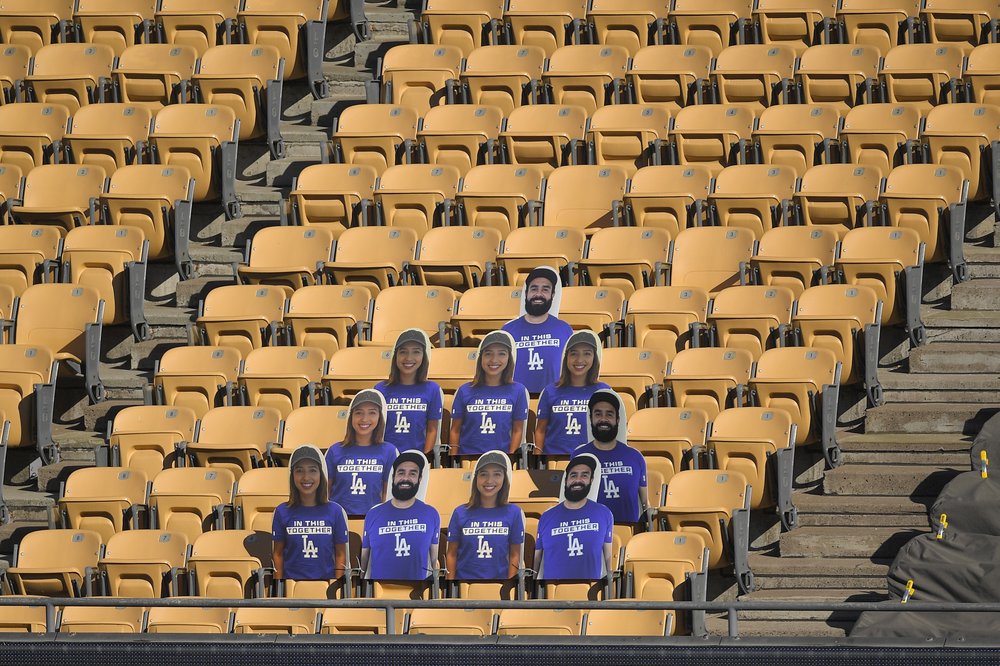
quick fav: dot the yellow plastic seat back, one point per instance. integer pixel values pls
(198, 378)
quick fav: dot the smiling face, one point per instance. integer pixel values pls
(489, 482)
(604, 422)
(406, 481)
(578, 480)
(364, 420)
(579, 360)
(306, 476)
(409, 356)
(538, 297)
(494, 361)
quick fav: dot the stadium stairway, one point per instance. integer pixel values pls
(852, 519)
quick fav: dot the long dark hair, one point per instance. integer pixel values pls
(378, 435)
(506, 377)
(476, 498)
(422, 371)
(593, 374)
(322, 490)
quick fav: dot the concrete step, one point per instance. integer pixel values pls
(237, 233)
(325, 110)
(27, 505)
(948, 387)
(144, 355)
(96, 417)
(281, 172)
(301, 139)
(258, 199)
(191, 292)
(51, 476)
(977, 295)
(905, 449)
(809, 596)
(888, 480)
(961, 325)
(211, 260)
(12, 533)
(718, 626)
(839, 542)
(966, 418)
(795, 573)
(861, 511)
(957, 357)
(76, 445)
(984, 262)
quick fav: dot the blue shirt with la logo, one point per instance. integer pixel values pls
(484, 537)
(539, 350)
(488, 414)
(408, 409)
(572, 541)
(309, 535)
(623, 472)
(358, 475)
(400, 541)
(565, 408)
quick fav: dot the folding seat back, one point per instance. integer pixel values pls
(668, 434)
(793, 23)
(630, 136)
(535, 491)
(457, 257)
(464, 25)
(416, 196)
(227, 564)
(31, 133)
(485, 309)
(73, 75)
(836, 74)
(451, 622)
(632, 24)
(290, 621)
(450, 368)
(710, 257)
(24, 249)
(794, 379)
(326, 316)
(878, 23)
(190, 500)
(919, 74)
(354, 369)
(957, 22)
(151, 75)
(592, 308)
(108, 620)
(287, 257)
(415, 75)
(710, 378)
(656, 566)
(796, 135)
(958, 136)
(548, 24)
(202, 138)
(108, 135)
(197, 378)
(611, 622)
(794, 257)
(534, 622)
(668, 197)
(837, 196)
(751, 317)
(11, 179)
(179, 620)
(239, 76)
(529, 247)
(375, 135)
(143, 437)
(112, 22)
(878, 257)
(982, 74)
(26, 372)
(22, 619)
(586, 75)
(101, 499)
(372, 256)
(581, 196)
(635, 373)
(449, 489)
(143, 564)
(844, 319)
(55, 562)
(712, 23)
(335, 196)
(196, 23)
(244, 317)
(709, 135)
(357, 621)
(258, 494)
(501, 76)
(546, 135)
(875, 134)
(282, 377)
(59, 195)
(400, 308)
(35, 23)
(319, 425)
(918, 196)
(626, 258)
(14, 60)
(752, 75)
(500, 196)
(752, 196)
(671, 76)
(661, 317)
(461, 135)
(235, 438)
(291, 28)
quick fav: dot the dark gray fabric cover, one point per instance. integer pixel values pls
(971, 503)
(918, 626)
(987, 440)
(958, 568)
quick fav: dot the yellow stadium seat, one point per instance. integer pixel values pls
(102, 499)
(143, 437)
(190, 500)
(198, 378)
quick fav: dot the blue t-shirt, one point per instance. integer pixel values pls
(484, 537)
(623, 472)
(539, 350)
(488, 414)
(400, 541)
(309, 534)
(408, 409)
(358, 475)
(566, 410)
(572, 541)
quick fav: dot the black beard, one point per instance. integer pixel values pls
(577, 492)
(604, 432)
(536, 309)
(404, 494)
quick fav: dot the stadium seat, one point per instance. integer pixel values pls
(457, 257)
(548, 24)
(55, 563)
(73, 75)
(961, 23)
(59, 195)
(11, 190)
(112, 260)
(106, 620)
(794, 258)
(712, 23)
(450, 368)
(710, 258)
(354, 369)
(710, 379)
(460, 135)
(847, 320)
(710, 135)
(626, 258)
(143, 437)
(981, 74)
(754, 318)
(451, 622)
(921, 75)
(528, 247)
(334, 196)
(65, 319)
(448, 488)
(611, 622)
(154, 75)
(581, 196)
(838, 197)
(143, 564)
(282, 377)
(753, 75)
(113, 22)
(415, 306)
(287, 257)
(670, 197)
(358, 621)
(636, 373)
(890, 261)
(464, 25)
(258, 494)
(14, 61)
(290, 621)
(198, 378)
(108, 135)
(837, 75)
(233, 438)
(190, 500)
(375, 257)
(661, 317)
(670, 434)
(537, 622)
(27, 397)
(374, 135)
(796, 136)
(22, 619)
(632, 24)
(500, 196)
(665, 566)
(417, 196)
(485, 309)
(672, 76)
(501, 76)
(179, 620)
(320, 425)
(535, 491)
(879, 135)
(203, 138)
(416, 76)
(297, 29)
(31, 134)
(105, 500)
(878, 23)
(715, 506)
(586, 75)
(8, 303)
(592, 308)
(630, 136)
(326, 316)
(756, 197)
(35, 23)
(545, 135)
(798, 24)
(227, 564)
(200, 24)
(244, 317)
(803, 381)
(27, 252)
